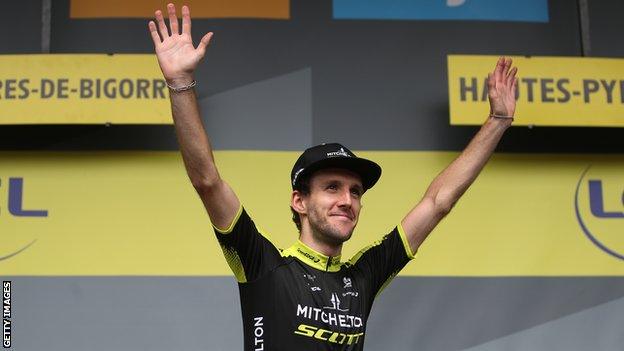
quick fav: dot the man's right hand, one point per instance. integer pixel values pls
(175, 52)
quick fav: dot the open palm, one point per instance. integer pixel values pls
(176, 54)
(502, 88)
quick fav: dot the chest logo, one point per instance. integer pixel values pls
(335, 301)
(309, 280)
(347, 283)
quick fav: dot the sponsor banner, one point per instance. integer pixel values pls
(552, 91)
(485, 10)
(135, 213)
(267, 9)
(82, 89)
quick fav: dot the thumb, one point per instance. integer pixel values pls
(203, 44)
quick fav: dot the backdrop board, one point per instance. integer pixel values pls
(117, 243)
(551, 91)
(82, 89)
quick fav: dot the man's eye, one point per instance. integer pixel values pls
(332, 187)
(356, 193)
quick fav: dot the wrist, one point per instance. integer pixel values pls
(500, 120)
(180, 85)
(180, 81)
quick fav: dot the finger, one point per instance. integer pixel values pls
(498, 71)
(506, 68)
(154, 32)
(513, 85)
(203, 43)
(173, 19)
(490, 81)
(164, 33)
(512, 75)
(186, 20)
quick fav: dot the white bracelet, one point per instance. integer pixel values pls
(189, 86)
(501, 117)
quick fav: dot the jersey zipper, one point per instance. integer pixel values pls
(329, 259)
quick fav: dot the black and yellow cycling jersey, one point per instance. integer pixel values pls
(300, 299)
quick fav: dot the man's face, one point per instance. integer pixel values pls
(334, 204)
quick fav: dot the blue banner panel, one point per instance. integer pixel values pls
(486, 10)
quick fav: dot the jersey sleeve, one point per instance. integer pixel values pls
(382, 260)
(248, 253)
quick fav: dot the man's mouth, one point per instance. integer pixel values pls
(342, 215)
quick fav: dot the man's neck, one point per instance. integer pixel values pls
(327, 249)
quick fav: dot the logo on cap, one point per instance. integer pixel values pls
(340, 152)
(296, 175)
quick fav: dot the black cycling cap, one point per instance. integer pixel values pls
(334, 155)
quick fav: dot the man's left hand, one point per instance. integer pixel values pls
(502, 88)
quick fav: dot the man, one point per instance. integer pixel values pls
(304, 297)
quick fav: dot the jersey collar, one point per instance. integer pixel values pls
(313, 258)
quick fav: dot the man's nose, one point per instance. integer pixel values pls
(345, 199)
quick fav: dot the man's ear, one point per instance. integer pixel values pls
(297, 202)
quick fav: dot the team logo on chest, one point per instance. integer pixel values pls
(335, 301)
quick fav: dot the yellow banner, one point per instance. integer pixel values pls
(552, 91)
(135, 213)
(82, 89)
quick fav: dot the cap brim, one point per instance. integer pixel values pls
(369, 171)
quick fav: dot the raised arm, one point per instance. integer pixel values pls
(451, 184)
(178, 59)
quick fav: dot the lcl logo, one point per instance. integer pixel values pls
(600, 212)
(16, 196)
(16, 209)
